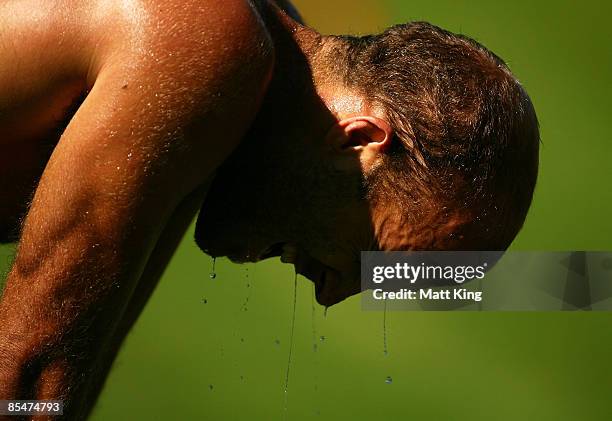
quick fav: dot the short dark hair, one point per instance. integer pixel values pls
(467, 154)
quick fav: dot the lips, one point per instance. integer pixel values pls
(272, 251)
(323, 292)
(241, 255)
(325, 279)
(330, 287)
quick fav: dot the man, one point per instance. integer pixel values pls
(115, 116)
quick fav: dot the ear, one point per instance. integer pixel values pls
(364, 136)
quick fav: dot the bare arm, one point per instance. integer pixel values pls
(127, 159)
(159, 258)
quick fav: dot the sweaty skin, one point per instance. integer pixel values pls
(113, 116)
(116, 114)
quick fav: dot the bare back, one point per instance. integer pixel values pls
(52, 55)
(40, 88)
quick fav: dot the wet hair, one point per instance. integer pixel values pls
(464, 163)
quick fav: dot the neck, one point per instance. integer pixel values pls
(292, 101)
(319, 60)
(289, 35)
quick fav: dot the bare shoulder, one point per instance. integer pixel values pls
(195, 67)
(160, 72)
(194, 39)
(196, 49)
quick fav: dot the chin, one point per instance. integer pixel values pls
(209, 236)
(225, 239)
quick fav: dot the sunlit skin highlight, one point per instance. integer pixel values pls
(121, 120)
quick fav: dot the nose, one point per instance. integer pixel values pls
(330, 288)
(303, 263)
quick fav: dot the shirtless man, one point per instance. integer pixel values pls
(116, 115)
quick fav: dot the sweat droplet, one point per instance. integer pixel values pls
(245, 305)
(290, 348)
(277, 342)
(388, 380)
(213, 274)
(312, 319)
(210, 386)
(385, 349)
(314, 338)
(322, 338)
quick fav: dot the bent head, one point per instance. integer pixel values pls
(413, 139)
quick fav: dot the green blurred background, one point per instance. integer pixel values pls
(217, 349)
